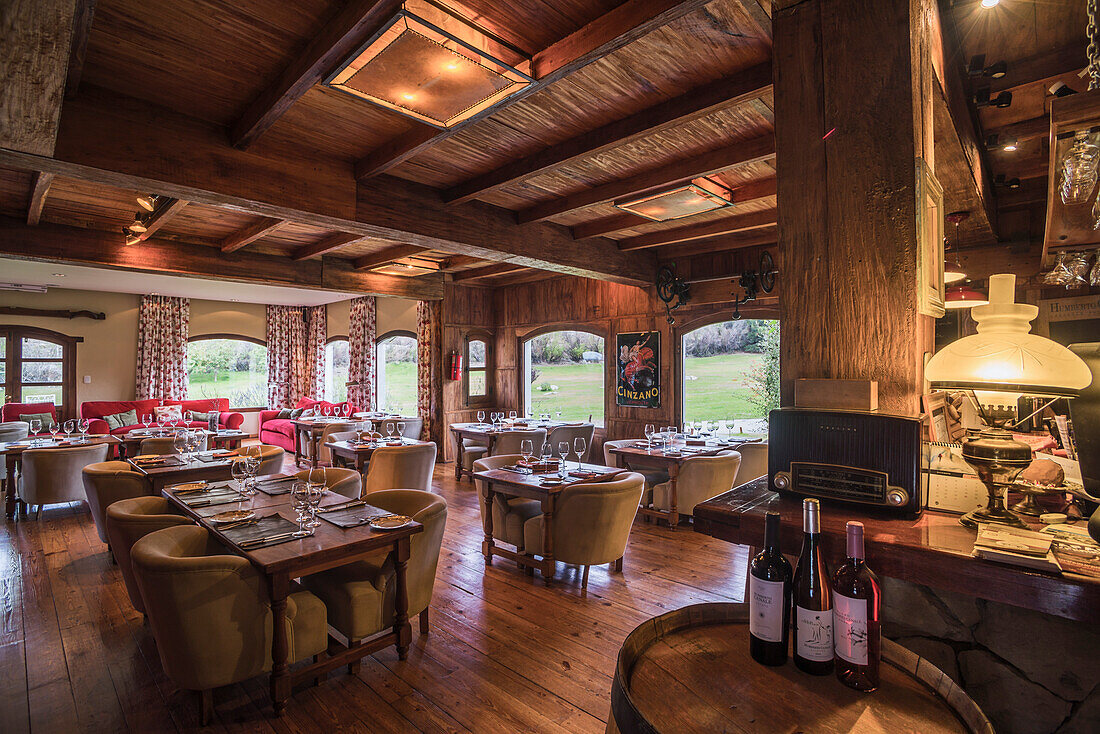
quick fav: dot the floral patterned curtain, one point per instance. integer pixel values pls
(427, 317)
(163, 328)
(362, 331)
(295, 354)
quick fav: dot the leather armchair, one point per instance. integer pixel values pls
(400, 467)
(754, 462)
(54, 475)
(592, 523)
(509, 513)
(14, 431)
(700, 478)
(360, 596)
(162, 445)
(128, 521)
(653, 475)
(568, 433)
(271, 458)
(347, 482)
(506, 444)
(106, 483)
(413, 426)
(211, 614)
(324, 455)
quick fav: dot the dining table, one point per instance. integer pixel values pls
(487, 434)
(221, 439)
(308, 431)
(647, 455)
(175, 469)
(518, 482)
(356, 454)
(283, 560)
(13, 452)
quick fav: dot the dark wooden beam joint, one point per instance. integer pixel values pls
(248, 235)
(327, 245)
(39, 191)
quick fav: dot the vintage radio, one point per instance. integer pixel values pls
(869, 459)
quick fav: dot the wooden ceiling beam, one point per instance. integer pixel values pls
(1032, 191)
(329, 244)
(721, 243)
(386, 256)
(458, 262)
(1036, 68)
(723, 226)
(523, 276)
(744, 86)
(1036, 128)
(62, 244)
(610, 32)
(166, 209)
(40, 189)
(247, 235)
(487, 272)
(341, 34)
(760, 12)
(738, 154)
(78, 48)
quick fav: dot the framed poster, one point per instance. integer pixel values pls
(638, 373)
(929, 242)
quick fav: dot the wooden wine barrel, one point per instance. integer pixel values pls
(690, 671)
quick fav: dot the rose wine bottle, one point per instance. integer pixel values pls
(857, 598)
(813, 610)
(769, 599)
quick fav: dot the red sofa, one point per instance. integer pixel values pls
(95, 410)
(12, 411)
(280, 431)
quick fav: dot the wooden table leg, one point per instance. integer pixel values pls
(9, 494)
(279, 586)
(487, 544)
(460, 451)
(401, 626)
(314, 447)
(673, 515)
(549, 565)
(297, 446)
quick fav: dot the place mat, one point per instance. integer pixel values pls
(210, 457)
(275, 486)
(275, 527)
(216, 495)
(353, 516)
(168, 460)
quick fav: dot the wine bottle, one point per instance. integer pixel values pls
(813, 611)
(769, 599)
(857, 599)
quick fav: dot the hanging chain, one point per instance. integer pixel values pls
(1093, 33)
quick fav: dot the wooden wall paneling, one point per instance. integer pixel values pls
(464, 308)
(35, 43)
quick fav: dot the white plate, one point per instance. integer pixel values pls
(394, 522)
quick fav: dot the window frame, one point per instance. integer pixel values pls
(378, 383)
(524, 381)
(486, 337)
(230, 337)
(14, 334)
(330, 340)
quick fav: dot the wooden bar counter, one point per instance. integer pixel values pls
(933, 550)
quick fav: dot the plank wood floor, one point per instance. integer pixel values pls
(505, 653)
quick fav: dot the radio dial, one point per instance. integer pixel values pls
(782, 480)
(897, 497)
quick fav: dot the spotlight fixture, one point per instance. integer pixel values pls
(1060, 89)
(982, 98)
(131, 236)
(1006, 183)
(977, 68)
(684, 200)
(148, 202)
(434, 66)
(962, 296)
(1009, 146)
(990, 3)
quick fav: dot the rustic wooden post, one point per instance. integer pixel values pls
(853, 112)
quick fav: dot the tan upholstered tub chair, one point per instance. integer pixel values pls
(211, 614)
(591, 523)
(700, 478)
(11, 431)
(108, 482)
(413, 426)
(400, 467)
(509, 513)
(508, 443)
(271, 457)
(130, 520)
(653, 475)
(754, 462)
(341, 481)
(569, 432)
(359, 596)
(54, 475)
(324, 452)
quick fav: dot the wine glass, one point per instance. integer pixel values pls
(299, 493)
(316, 481)
(179, 444)
(527, 448)
(251, 467)
(547, 452)
(70, 427)
(146, 420)
(512, 415)
(36, 428)
(55, 428)
(579, 447)
(83, 425)
(187, 416)
(390, 427)
(239, 473)
(481, 417)
(563, 452)
(649, 431)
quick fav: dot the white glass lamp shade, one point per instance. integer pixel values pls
(1004, 355)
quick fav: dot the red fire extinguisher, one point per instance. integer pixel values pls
(456, 365)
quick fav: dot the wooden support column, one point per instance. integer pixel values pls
(852, 115)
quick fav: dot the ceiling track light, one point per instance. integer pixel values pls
(977, 68)
(995, 142)
(132, 237)
(1060, 89)
(982, 98)
(148, 202)
(987, 4)
(138, 224)
(1001, 181)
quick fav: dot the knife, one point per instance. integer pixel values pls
(267, 539)
(344, 506)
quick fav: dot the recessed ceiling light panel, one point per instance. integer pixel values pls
(694, 197)
(409, 267)
(439, 69)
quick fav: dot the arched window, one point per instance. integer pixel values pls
(395, 367)
(38, 366)
(227, 366)
(564, 375)
(478, 368)
(336, 369)
(729, 371)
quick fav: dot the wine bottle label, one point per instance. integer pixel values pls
(766, 609)
(815, 634)
(850, 617)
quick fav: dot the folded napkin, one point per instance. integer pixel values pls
(274, 527)
(584, 474)
(353, 516)
(274, 487)
(215, 495)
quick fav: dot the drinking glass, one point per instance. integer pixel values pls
(527, 448)
(299, 494)
(239, 473)
(389, 429)
(55, 428)
(649, 431)
(36, 428)
(316, 480)
(547, 451)
(512, 415)
(70, 427)
(83, 425)
(187, 416)
(563, 452)
(481, 417)
(146, 420)
(401, 428)
(579, 446)
(179, 444)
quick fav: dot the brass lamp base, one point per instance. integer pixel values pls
(993, 512)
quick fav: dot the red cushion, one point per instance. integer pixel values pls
(306, 403)
(101, 408)
(281, 426)
(202, 406)
(12, 411)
